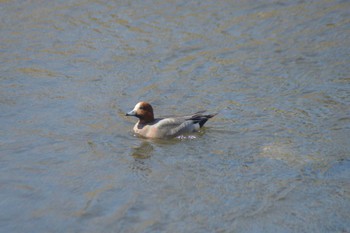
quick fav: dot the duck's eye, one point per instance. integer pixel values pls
(142, 108)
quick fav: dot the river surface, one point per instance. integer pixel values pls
(275, 159)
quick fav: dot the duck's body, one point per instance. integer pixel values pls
(149, 127)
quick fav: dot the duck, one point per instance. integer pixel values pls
(168, 127)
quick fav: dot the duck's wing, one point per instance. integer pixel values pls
(201, 118)
(174, 126)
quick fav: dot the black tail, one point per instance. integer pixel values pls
(199, 118)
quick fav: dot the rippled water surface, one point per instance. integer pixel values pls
(275, 159)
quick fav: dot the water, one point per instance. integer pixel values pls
(275, 159)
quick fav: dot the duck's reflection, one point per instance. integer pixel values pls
(143, 151)
(141, 155)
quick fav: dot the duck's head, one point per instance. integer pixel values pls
(143, 111)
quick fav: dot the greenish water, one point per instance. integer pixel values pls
(275, 159)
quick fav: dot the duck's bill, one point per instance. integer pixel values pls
(131, 113)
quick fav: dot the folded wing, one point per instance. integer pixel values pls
(174, 126)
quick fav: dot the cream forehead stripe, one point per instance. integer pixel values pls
(137, 106)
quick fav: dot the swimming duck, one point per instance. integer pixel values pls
(150, 127)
